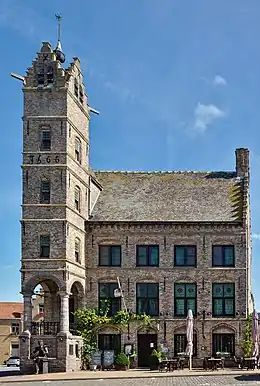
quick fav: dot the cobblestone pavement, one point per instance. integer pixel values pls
(225, 380)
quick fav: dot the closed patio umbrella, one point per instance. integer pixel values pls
(255, 335)
(189, 333)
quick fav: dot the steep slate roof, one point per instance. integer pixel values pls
(169, 196)
(8, 310)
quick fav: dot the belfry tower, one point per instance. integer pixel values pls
(56, 203)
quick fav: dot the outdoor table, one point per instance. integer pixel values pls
(169, 364)
(215, 363)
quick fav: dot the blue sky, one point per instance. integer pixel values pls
(177, 84)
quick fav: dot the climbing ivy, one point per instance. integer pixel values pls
(89, 319)
(248, 342)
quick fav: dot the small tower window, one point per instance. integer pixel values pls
(77, 250)
(40, 77)
(50, 74)
(76, 88)
(81, 95)
(78, 149)
(45, 192)
(46, 140)
(77, 198)
(41, 308)
(45, 246)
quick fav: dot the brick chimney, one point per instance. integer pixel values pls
(242, 162)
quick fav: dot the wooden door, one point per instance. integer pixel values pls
(144, 343)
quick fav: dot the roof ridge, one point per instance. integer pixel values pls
(164, 171)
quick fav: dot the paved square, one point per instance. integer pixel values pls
(218, 380)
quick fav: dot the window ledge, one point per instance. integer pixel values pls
(223, 266)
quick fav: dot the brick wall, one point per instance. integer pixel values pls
(166, 275)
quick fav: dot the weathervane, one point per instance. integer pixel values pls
(58, 50)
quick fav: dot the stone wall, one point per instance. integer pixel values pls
(63, 354)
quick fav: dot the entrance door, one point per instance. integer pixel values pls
(15, 350)
(144, 342)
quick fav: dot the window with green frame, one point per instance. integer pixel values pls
(185, 298)
(107, 299)
(223, 299)
(147, 299)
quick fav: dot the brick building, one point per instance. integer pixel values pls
(176, 240)
(11, 325)
(10, 328)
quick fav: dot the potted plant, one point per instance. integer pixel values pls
(122, 362)
(155, 359)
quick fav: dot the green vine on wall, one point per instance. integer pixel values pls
(89, 319)
(248, 342)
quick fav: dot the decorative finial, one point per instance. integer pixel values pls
(58, 17)
(58, 50)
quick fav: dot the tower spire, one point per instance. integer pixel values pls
(58, 50)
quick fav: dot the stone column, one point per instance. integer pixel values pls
(27, 314)
(64, 312)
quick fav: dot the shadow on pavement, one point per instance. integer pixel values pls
(248, 378)
(9, 373)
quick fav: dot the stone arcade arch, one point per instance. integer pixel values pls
(56, 316)
(76, 301)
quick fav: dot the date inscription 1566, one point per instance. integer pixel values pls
(40, 158)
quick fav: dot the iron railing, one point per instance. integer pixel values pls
(45, 328)
(73, 329)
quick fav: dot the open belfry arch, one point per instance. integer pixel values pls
(57, 199)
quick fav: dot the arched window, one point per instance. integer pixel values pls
(77, 198)
(78, 149)
(77, 249)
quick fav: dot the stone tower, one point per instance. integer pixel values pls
(56, 203)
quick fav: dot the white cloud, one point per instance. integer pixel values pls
(219, 81)
(205, 115)
(256, 236)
